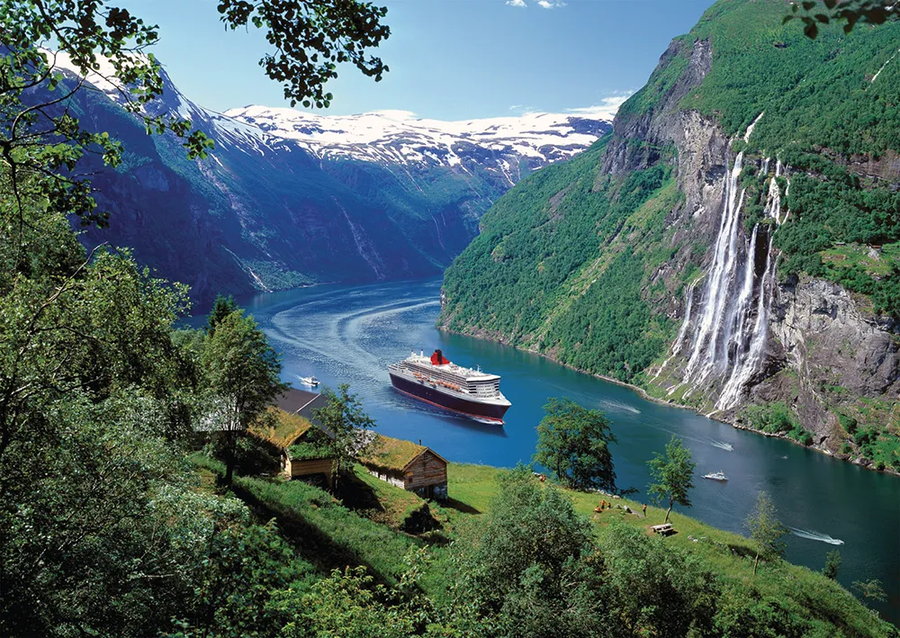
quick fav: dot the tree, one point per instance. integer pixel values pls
(832, 563)
(346, 603)
(870, 589)
(765, 529)
(673, 475)
(346, 423)
(223, 307)
(847, 11)
(242, 370)
(522, 565)
(573, 442)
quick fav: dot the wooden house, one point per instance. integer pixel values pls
(403, 463)
(301, 446)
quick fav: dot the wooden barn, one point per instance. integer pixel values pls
(301, 446)
(403, 463)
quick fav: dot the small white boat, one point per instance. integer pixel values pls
(310, 381)
(716, 476)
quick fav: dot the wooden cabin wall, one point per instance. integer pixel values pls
(425, 471)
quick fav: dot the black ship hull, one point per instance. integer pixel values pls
(474, 409)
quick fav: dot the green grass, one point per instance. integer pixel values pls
(848, 256)
(324, 531)
(394, 504)
(328, 534)
(822, 602)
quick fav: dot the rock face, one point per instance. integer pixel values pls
(821, 350)
(836, 351)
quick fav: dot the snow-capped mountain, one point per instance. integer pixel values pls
(399, 137)
(288, 198)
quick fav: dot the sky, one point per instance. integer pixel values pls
(448, 59)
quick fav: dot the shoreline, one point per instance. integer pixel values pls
(645, 395)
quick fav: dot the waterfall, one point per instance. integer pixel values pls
(749, 362)
(725, 344)
(715, 298)
(737, 316)
(682, 332)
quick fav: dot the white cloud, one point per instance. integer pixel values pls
(550, 4)
(606, 108)
(516, 3)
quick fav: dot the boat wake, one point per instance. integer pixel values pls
(621, 407)
(722, 445)
(815, 536)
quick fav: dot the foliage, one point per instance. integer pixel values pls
(673, 475)
(222, 307)
(242, 371)
(847, 11)
(310, 39)
(348, 604)
(346, 424)
(826, 117)
(574, 443)
(659, 590)
(832, 564)
(520, 566)
(555, 267)
(870, 589)
(246, 568)
(765, 530)
(777, 418)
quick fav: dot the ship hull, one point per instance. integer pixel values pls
(475, 409)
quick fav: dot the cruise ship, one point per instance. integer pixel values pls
(437, 381)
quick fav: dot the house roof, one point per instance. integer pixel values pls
(287, 429)
(394, 454)
(297, 401)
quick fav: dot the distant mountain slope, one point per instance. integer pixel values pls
(734, 245)
(289, 198)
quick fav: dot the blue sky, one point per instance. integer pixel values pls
(449, 59)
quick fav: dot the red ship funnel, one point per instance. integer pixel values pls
(437, 359)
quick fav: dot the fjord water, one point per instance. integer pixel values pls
(349, 334)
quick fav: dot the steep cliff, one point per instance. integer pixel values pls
(732, 245)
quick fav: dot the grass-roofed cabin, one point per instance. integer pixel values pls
(303, 447)
(403, 463)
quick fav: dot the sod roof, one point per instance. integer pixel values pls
(391, 454)
(287, 429)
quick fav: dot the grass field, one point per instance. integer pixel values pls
(365, 528)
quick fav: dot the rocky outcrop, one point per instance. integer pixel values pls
(821, 351)
(827, 356)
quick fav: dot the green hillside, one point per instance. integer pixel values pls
(586, 261)
(700, 579)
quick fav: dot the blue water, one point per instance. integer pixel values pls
(349, 334)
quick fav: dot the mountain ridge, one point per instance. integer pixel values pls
(265, 212)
